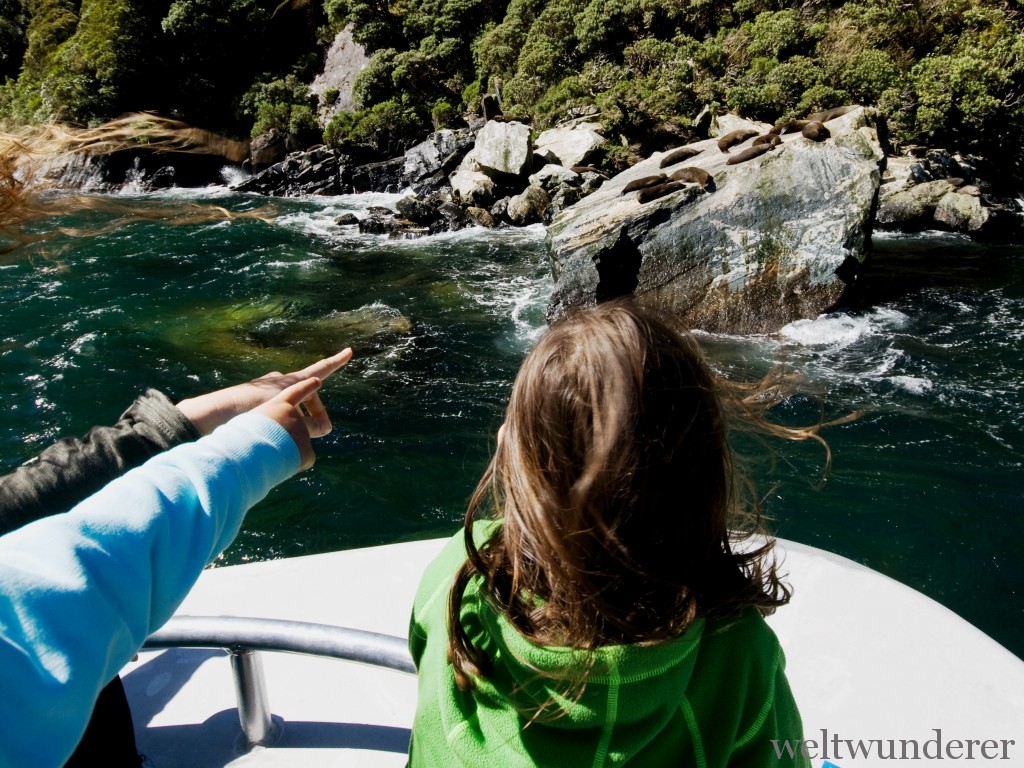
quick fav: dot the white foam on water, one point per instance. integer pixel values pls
(233, 174)
(927, 234)
(303, 263)
(912, 384)
(840, 330)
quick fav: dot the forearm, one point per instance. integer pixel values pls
(72, 469)
(80, 592)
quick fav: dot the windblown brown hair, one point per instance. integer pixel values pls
(27, 153)
(614, 481)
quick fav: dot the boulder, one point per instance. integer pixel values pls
(383, 176)
(551, 177)
(417, 209)
(528, 206)
(912, 207)
(473, 187)
(572, 146)
(481, 216)
(918, 192)
(766, 247)
(500, 209)
(562, 198)
(503, 149)
(961, 212)
(318, 171)
(268, 148)
(441, 151)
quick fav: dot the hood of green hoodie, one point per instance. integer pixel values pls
(640, 680)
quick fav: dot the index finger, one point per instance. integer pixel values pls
(321, 369)
(296, 393)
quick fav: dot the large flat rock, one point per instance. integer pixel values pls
(758, 249)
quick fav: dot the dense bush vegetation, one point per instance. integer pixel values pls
(85, 61)
(947, 72)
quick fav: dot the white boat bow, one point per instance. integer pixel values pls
(868, 659)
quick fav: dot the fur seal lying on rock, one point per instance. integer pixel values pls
(646, 181)
(677, 156)
(512, 119)
(769, 138)
(653, 193)
(788, 126)
(733, 138)
(749, 154)
(832, 114)
(693, 176)
(815, 130)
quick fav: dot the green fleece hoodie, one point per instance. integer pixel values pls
(716, 696)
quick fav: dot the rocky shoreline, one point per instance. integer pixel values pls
(742, 232)
(495, 175)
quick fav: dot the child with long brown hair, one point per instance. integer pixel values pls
(611, 611)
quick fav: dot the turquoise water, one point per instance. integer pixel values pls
(925, 486)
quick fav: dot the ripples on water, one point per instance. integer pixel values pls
(925, 486)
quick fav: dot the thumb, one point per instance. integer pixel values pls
(282, 408)
(296, 393)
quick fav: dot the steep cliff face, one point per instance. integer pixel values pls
(765, 243)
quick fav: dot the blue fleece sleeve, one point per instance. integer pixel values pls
(80, 592)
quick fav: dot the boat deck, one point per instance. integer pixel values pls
(867, 658)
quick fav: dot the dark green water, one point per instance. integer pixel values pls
(925, 486)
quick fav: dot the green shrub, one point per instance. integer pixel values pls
(776, 34)
(381, 126)
(471, 97)
(443, 115)
(819, 98)
(284, 104)
(869, 73)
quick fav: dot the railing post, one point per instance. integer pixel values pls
(251, 694)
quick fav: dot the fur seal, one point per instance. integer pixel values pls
(653, 193)
(581, 169)
(646, 181)
(749, 154)
(769, 138)
(693, 176)
(832, 114)
(788, 126)
(733, 138)
(678, 155)
(512, 119)
(815, 131)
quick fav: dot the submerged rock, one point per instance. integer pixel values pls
(285, 335)
(766, 247)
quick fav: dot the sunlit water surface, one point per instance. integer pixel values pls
(926, 486)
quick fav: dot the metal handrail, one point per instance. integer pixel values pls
(243, 637)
